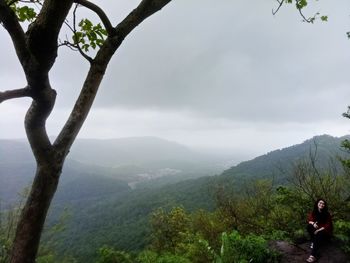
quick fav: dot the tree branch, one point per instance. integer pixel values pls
(13, 94)
(9, 20)
(280, 3)
(102, 15)
(308, 20)
(43, 33)
(145, 9)
(98, 67)
(70, 45)
(77, 46)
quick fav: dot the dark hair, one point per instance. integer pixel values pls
(321, 216)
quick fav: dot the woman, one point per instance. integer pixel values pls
(319, 226)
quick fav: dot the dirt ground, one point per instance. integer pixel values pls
(294, 253)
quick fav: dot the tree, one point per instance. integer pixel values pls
(300, 5)
(346, 145)
(169, 229)
(36, 50)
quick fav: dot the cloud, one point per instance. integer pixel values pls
(227, 70)
(226, 63)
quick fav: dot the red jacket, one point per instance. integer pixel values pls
(328, 225)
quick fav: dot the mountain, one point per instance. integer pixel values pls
(133, 150)
(279, 164)
(93, 166)
(123, 221)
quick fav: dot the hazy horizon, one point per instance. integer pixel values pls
(236, 155)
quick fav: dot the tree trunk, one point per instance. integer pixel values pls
(27, 239)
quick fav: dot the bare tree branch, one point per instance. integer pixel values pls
(13, 94)
(145, 9)
(280, 3)
(308, 20)
(102, 15)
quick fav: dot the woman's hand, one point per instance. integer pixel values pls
(318, 230)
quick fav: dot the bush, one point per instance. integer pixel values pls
(238, 249)
(342, 232)
(152, 257)
(109, 255)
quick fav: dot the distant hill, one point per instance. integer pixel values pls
(128, 151)
(114, 163)
(143, 158)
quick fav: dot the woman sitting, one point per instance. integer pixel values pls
(320, 227)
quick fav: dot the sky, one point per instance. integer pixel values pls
(225, 76)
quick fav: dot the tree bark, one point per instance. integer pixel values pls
(29, 228)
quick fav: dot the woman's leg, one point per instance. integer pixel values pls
(318, 240)
(311, 230)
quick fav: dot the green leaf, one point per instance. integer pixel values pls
(324, 18)
(301, 4)
(25, 13)
(89, 35)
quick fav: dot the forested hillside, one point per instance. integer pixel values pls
(278, 164)
(95, 205)
(121, 219)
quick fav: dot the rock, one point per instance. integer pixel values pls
(292, 253)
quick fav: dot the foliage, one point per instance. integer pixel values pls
(174, 234)
(330, 184)
(193, 246)
(152, 257)
(301, 5)
(8, 220)
(342, 231)
(109, 255)
(169, 229)
(250, 248)
(89, 35)
(346, 143)
(261, 207)
(258, 212)
(147, 256)
(24, 13)
(209, 226)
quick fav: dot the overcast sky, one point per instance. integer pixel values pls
(225, 74)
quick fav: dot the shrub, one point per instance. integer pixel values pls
(238, 249)
(342, 231)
